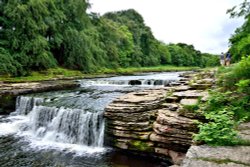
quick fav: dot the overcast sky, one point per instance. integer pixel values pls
(203, 23)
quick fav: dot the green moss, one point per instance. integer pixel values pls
(191, 108)
(141, 146)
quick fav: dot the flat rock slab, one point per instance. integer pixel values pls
(35, 87)
(181, 88)
(217, 156)
(190, 94)
(189, 102)
(146, 96)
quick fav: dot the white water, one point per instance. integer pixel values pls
(72, 121)
(51, 127)
(153, 79)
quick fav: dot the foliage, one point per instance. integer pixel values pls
(219, 130)
(7, 64)
(227, 106)
(229, 77)
(41, 34)
(240, 41)
(244, 10)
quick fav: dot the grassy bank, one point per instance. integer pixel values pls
(132, 70)
(61, 73)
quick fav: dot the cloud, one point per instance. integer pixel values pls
(203, 23)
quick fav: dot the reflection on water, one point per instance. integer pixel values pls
(66, 128)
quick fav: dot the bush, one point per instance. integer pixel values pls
(227, 106)
(219, 130)
(230, 77)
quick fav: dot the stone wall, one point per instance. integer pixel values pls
(159, 120)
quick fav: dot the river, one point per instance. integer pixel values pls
(66, 128)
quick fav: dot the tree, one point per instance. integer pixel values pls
(240, 41)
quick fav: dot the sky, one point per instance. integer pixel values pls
(202, 23)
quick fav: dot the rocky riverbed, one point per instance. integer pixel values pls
(158, 121)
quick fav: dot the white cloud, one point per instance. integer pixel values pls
(203, 23)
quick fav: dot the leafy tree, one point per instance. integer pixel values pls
(240, 41)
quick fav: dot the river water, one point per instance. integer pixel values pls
(66, 128)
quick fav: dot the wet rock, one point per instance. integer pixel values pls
(176, 157)
(135, 82)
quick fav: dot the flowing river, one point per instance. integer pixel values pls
(66, 128)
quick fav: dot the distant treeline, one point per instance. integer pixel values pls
(41, 34)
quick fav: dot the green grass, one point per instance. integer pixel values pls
(55, 73)
(132, 70)
(61, 73)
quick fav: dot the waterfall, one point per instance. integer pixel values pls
(25, 104)
(60, 124)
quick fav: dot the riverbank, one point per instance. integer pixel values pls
(66, 74)
(9, 91)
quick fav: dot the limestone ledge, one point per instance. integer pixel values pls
(158, 120)
(9, 91)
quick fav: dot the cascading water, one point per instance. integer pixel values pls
(60, 124)
(25, 104)
(67, 122)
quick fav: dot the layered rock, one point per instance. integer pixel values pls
(131, 116)
(9, 92)
(160, 120)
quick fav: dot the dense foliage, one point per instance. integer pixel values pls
(227, 106)
(240, 41)
(40, 34)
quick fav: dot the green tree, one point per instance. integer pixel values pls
(240, 41)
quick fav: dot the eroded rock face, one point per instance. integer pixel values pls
(156, 120)
(131, 115)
